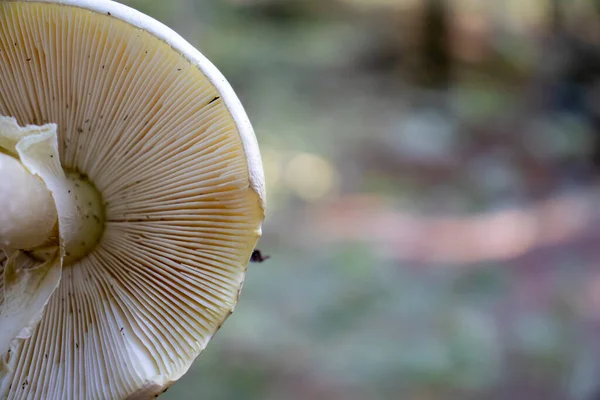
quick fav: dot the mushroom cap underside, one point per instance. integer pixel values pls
(167, 144)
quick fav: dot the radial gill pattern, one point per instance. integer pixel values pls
(152, 133)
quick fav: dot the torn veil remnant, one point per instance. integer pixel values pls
(132, 196)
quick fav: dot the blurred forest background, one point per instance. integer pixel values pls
(433, 223)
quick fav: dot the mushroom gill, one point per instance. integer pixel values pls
(160, 141)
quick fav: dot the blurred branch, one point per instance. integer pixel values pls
(436, 61)
(491, 236)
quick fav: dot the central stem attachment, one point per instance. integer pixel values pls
(39, 198)
(86, 220)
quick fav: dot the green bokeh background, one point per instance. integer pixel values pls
(375, 118)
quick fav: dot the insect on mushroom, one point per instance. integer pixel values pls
(258, 257)
(123, 244)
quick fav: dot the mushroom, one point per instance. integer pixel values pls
(131, 196)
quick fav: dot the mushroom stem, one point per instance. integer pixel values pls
(28, 214)
(40, 201)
